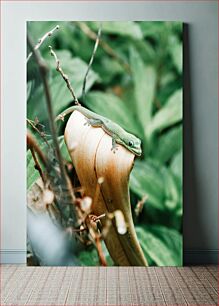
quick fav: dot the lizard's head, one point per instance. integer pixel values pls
(133, 144)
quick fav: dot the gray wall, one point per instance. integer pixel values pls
(200, 111)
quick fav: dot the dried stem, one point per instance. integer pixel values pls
(43, 72)
(42, 135)
(41, 41)
(95, 236)
(140, 205)
(100, 251)
(91, 60)
(31, 142)
(92, 35)
(64, 76)
(37, 165)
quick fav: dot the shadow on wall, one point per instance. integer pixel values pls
(192, 225)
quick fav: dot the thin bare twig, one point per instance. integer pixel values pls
(42, 135)
(140, 205)
(41, 41)
(31, 142)
(43, 72)
(37, 165)
(91, 60)
(100, 253)
(64, 76)
(95, 236)
(35, 149)
(92, 35)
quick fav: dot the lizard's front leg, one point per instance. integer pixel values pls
(114, 145)
(93, 122)
(99, 123)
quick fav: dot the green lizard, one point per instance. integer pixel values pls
(118, 134)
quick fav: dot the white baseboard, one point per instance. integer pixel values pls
(12, 256)
(191, 257)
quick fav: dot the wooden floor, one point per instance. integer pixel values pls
(23, 285)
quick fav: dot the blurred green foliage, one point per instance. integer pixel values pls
(135, 80)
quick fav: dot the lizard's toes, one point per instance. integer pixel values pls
(61, 117)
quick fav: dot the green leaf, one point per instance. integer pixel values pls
(123, 28)
(176, 51)
(158, 183)
(170, 114)
(168, 144)
(152, 29)
(144, 82)
(161, 244)
(108, 69)
(75, 68)
(146, 51)
(115, 109)
(32, 173)
(30, 86)
(146, 179)
(168, 88)
(64, 150)
(89, 256)
(36, 106)
(172, 193)
(177, 56)
(176, 165)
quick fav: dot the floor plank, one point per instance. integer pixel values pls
(21, 285)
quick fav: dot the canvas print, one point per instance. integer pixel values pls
(104, 143)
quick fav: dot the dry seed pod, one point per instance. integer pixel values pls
(93, 158)
(120, 222)
(48, 196)
(86, 203)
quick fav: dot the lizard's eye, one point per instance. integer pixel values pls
(131, 143)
